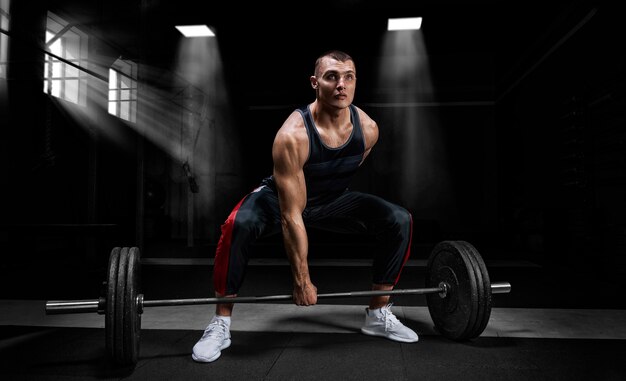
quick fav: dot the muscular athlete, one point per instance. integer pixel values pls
(316, 153)
(334, 83)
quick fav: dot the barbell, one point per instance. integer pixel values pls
(458, 293)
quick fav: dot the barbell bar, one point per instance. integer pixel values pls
(98, 305)
(458, 294)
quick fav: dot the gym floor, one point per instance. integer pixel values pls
(560, 324)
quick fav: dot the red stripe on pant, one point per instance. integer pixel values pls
(222, 254)
(408, 250)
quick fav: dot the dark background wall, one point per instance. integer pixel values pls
(561, 150)
(519, 146)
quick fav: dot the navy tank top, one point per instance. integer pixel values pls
(329, 171)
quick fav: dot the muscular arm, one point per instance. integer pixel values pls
(289, 153)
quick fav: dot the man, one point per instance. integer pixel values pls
(316, 152)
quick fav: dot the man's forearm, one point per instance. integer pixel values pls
(296, 247)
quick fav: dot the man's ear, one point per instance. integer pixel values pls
(313, 80)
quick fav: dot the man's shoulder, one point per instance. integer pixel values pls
(367, 123)
(363, 116)
(291, 141)
(294, 124)
(369, 128)
(292, 130)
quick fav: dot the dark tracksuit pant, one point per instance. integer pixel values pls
(258, 214)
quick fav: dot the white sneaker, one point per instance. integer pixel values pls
(215, 338)
(382, 322)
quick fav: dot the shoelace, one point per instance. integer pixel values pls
(215, 330)
(389, 318)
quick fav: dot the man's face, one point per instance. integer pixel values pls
(335, 82)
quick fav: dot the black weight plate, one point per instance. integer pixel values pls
(455, 314)
(132, 317)
(120, 309)
(109, 314)
(473, 325)
(484, 287)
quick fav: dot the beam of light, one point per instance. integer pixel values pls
(206, 124)
(176, 108)
(412, 133)
(406, 23)
(185, 112)
(203, 96)
(195, 31)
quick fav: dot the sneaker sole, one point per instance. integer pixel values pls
(211, 359)
(390, 337)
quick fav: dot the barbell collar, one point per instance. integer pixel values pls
(102, 306)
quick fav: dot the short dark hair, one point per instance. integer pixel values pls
(334, 54)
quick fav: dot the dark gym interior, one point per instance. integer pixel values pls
(501, 124)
